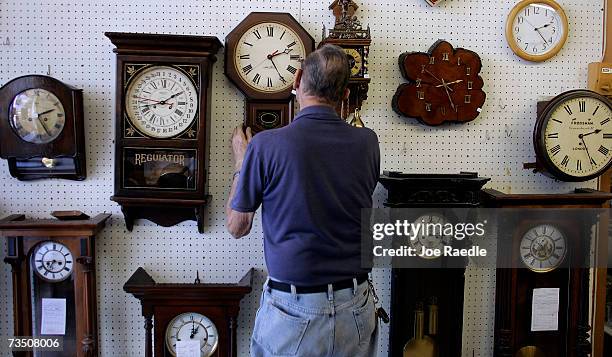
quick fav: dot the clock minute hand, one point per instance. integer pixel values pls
(448, 95)
(277, 71)
(43, 125)
(586, 149)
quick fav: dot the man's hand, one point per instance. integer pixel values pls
(240, 140)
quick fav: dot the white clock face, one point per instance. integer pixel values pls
(543, 248)
(578, 136)
(161, 101)
(37, 116)
(538, 28)
(432, 239)
(268, 56)
(192, 326)
(52, 261)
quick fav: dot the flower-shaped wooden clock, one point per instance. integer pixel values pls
(443, 85)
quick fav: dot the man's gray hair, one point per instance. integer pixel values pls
(326, 74)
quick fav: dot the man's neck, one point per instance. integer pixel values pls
(313, 101)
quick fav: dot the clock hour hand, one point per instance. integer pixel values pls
(46, 112)
(436, 78)
(597, 131)
(449, 83)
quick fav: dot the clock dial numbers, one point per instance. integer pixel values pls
(161, 101)
(268, 56)
(543, 248)
(192, 326)
(37, 116)
(576, 136)
(52, 261)
(355, 61)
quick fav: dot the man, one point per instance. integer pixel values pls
(312, 179)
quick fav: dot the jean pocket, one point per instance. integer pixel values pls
(278, 331)
(365, 320)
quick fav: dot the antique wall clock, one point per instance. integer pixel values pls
(536, 30)
(573, 136)
(162, 126)
(53, 261)
(42, 129)
(350, 35)
(262, 57)
(443, 85)
(206, 313)
(543, 245)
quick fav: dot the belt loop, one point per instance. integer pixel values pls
(330, 292)
(266, 286)
(354, 286)
(293, 292)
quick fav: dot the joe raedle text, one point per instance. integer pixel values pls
(446, 251)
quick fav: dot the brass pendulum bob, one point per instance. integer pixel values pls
(420, 345)
(433, 324)
(357, 119)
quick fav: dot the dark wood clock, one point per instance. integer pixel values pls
(263, 54)
(206, 313)
(54, 259)
(162, 126)
(41, 129)
(444, 85)
(349, 34)
(543, 246)
(573, 136)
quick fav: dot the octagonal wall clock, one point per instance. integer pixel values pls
(444, 85)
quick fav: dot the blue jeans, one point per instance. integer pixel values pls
(338, 323)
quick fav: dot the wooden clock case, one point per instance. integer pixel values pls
(165, 207)
(162, 302)
(22, 236)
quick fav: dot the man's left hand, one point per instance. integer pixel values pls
(240, 140)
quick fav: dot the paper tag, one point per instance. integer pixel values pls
(606, 70)
(545, 310)
(53, 320)
(188, 348)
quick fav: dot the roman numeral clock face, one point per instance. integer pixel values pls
(52, 261)
(578, 137)
(268, 56)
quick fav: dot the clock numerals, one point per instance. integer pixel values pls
(247, 69)
(555, 150)
(582, 106)
(295, 57)
(291, 69)
(565, 161)
(604, 122)
(270, 30)
(568, 109)
(257, 34)
(257, 78)
(604, 150)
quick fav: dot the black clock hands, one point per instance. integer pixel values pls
(277, 71)
(581, 136)
(46, 112)
(537, 29)
(43, 125)
(597, 131)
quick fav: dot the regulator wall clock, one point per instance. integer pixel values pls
(536, 30)
(53, 260)
(162, 126)
(443, 85)
(573, 136)
(201, 313)
(41, 129)
(263, 55)
(349, 34)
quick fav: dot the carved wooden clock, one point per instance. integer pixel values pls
(162, 126)
(263, 55)
(443, 85)
(53, 262)
(41, 129)
(204, 314)
(544, 244)
(349, 34)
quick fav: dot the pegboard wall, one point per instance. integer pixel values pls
(65, 39)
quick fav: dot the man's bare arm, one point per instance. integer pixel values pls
(238, 223)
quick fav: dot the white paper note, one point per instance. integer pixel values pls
(53, 320)
(545, 310)
(188, 348)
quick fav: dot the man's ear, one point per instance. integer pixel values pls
(298, 79)
(347, 93)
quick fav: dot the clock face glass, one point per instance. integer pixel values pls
(161, 101)
(192, 326)
(52, 261)
(432, 237)
(268, 56)
(543, 248)
(578, 136)
(355, 60)
(37, 116)
(537, 29)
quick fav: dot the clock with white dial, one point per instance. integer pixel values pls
(161, 101)
(192, 326)
(431, 236)
(52, 261)
(543, 248)
(536, 30)
(37, 116)
(573, 136)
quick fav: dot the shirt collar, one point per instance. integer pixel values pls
(321, 112)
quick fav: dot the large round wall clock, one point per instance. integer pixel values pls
(192, 326)
(264, 53)
(536, 30)
(573, 136)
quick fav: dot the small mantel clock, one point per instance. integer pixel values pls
(263, 55)
(41, 129)
(54, 260)
(543, 246)
(349, 34)
(162, 126)
(206, 313)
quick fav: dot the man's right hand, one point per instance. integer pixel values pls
(240, 140)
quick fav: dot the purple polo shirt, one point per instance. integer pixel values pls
(312, 179)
